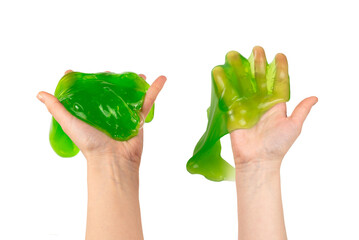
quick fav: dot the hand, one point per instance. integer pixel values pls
(270, 139)
(94, 143)
(264, 132)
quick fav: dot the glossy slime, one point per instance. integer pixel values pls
(107, 101)
(242, 91)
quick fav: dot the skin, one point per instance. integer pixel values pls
(112, 171)
(258, 153)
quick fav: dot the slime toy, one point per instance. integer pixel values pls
(107, 101)
(242, 91)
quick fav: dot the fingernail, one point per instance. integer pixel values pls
(40, 97)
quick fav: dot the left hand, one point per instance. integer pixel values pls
(95, 144)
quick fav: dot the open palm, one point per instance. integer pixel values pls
(271, 138)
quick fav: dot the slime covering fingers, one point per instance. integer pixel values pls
(281, 85)
(237, 69)
(107, 101)
(227, 94)
(242, 91)
(259, 68)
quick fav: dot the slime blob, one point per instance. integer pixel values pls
(242, 91)
(107, 101)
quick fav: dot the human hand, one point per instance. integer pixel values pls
(272, 136)
(94, 143)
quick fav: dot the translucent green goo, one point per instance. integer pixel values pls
(107, 101)
(242, 91)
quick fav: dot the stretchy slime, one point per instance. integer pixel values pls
(242, 91)
(108, 101)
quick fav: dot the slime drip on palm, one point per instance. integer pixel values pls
(107, 101)
(242, 91)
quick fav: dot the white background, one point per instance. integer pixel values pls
(43, 196)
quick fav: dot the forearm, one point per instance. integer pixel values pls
(260, 211)
(113, 201)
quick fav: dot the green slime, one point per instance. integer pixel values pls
(242, 91)
(107, 101)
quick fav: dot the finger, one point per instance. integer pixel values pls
(58, 111)
(281, 82)
(259, 68)
(302, 110)
(152, 94)
(224, 87)
(68, 71)
(142, 76)
(241, 69)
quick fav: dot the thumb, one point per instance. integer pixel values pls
(302, 110)
(152, 94)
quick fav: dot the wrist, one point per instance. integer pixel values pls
(257, 165)
(257, 173)
(113, 169)
(257, 179)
